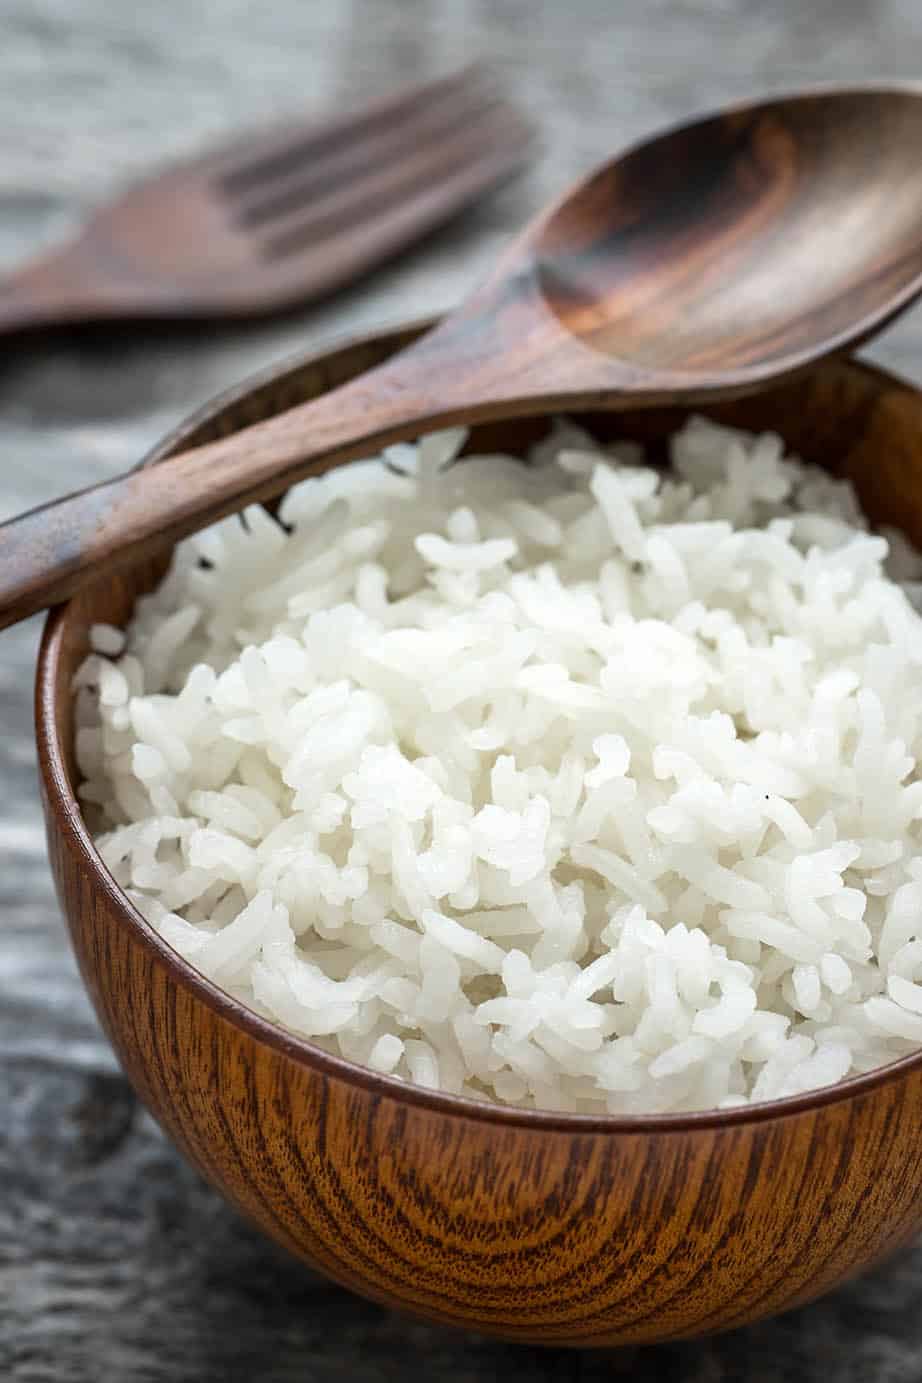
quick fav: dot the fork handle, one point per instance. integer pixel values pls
(49, 292)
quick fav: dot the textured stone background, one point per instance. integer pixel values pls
(117, 1265)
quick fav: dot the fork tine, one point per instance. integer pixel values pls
(369, 161)
(271, 154)
(375, 197)
(370, 242)
(417, 194)
(319, 175)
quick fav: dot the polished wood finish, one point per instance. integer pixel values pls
(702, 265)
(748, 239)
(541, 1227)
(279, 218)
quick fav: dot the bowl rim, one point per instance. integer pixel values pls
(63, 811)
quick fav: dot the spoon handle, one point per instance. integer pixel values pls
(48, 553)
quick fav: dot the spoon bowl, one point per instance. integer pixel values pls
(533, 1226)
(740, 246)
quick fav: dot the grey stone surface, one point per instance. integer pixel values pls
(117, 1265)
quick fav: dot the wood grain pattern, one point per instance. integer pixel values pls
(279, 218)
(701, 265)
(554, 1229)
(748, 239)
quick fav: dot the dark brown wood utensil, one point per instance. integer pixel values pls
(281, 217)
(712, 261)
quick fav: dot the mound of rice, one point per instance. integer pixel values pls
(578, 785)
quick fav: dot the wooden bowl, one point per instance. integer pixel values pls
(540, 1227)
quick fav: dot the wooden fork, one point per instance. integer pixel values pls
(281, 217)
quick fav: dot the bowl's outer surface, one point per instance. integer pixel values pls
(547, 1228)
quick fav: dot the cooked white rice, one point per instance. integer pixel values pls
(578, 785)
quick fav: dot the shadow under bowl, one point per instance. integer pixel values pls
(542, 1227)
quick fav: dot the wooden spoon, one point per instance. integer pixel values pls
(712, 261)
